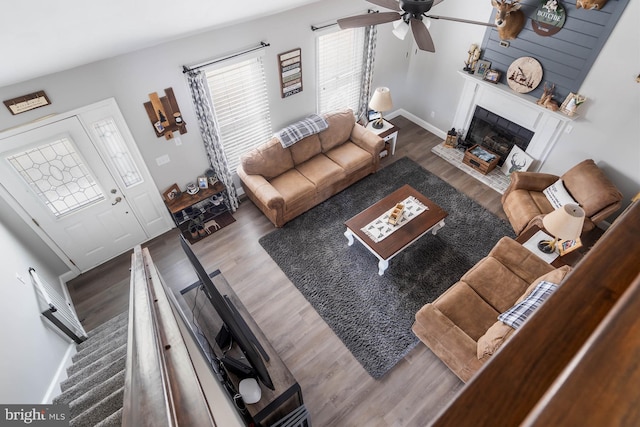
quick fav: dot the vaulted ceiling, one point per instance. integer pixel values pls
(41, 37)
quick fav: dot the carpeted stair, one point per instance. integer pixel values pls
(94, 388)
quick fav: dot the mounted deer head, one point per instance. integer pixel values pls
(590, 4)
(509, 19)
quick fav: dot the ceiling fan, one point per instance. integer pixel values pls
(411, 12)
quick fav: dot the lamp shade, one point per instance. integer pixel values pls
(400, 29)
(381, 100)
(566, 222)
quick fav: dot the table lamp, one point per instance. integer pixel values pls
(380, 101)
(565, 223)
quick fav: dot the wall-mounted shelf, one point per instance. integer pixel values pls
(165, 115)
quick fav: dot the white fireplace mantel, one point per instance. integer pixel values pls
(519, 108)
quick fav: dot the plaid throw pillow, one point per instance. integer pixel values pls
(517, 314)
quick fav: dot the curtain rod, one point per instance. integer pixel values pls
(186, 69)
(316, 28)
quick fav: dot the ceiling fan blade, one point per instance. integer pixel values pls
(422, 36)
(388, 4)
(466, 21)
(368, 19)
(435, 2)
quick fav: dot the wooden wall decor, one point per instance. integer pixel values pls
(28, 102)
(165, 115)
(566, 55)
(290, 71)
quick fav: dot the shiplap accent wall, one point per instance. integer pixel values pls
(567, 56)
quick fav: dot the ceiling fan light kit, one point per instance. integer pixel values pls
(407, 14)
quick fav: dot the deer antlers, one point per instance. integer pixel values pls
(509, 19)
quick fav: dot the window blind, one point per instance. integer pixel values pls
(340, 67)
(241, 106)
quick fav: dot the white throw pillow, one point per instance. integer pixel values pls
(557, 195)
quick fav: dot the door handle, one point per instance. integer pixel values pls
(118, 200)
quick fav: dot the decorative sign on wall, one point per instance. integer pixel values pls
(548, 18)
(28, 102)
(164, 114)
(524, 74)
(290, 64)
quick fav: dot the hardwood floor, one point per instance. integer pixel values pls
(337, 390)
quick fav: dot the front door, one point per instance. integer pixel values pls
(57, 176)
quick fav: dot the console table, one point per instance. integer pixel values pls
(274, 404)
(187, 207)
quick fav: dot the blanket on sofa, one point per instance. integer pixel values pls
(301, 129)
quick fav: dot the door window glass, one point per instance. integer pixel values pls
(58, 175)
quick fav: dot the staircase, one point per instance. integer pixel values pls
(94, 388)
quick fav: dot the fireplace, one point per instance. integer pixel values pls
(496, 133)
(540, 127)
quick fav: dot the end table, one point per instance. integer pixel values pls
(389, 133)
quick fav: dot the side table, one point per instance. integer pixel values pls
(389, 133)
(570, 259)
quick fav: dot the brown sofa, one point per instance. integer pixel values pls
(461, 325)
(286, 182)
(525, 204)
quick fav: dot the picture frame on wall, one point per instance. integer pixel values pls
(482, 67)
(517, 160)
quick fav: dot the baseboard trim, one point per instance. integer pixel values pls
(417, 120)
(61, 374)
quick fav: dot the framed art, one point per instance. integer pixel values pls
(492, 76)
(373, 115)
(482, 67)
(203, 182)
(517, 160)
(172, 193)
(566, 246)
(571, 103)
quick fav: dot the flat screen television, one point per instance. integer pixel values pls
(233, 322)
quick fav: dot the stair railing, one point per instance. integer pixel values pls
(163, 386)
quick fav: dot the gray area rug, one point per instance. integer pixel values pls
(372, 315)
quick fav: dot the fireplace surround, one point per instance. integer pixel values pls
(543, 125)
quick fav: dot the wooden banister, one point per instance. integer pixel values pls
(506, 390)
(161, 384)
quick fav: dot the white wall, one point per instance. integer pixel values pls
(31, 351)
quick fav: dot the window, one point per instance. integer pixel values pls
(58, 175)
(116, 149)
(340, 69)
(241, 106)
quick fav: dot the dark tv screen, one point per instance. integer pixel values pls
(236, 326)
